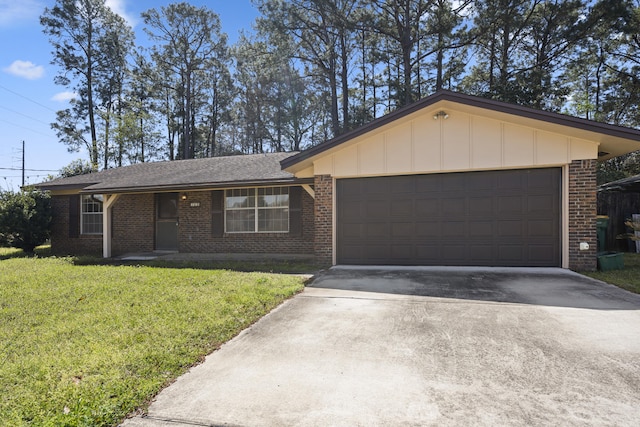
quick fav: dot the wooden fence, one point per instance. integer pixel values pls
(618, 207)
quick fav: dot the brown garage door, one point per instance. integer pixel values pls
(489, 218)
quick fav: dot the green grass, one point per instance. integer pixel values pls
(85, 345)
(628, 278)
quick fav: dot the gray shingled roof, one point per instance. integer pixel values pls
(252, 169)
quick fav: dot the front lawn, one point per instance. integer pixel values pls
(628, 279)
(84, 345)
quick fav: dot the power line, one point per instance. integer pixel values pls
(20, 176)
(26, 128)
(28, 170)
(28, 99)
(25, 115)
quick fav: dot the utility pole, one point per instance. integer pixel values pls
(23, 163)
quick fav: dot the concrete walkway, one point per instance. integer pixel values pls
(415, 347)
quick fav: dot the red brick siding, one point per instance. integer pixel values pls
(61, 243)
(323, 247)
(582, 214)
(134, 229)
(195, 233)
(133, 224)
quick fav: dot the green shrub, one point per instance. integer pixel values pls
(25, 219)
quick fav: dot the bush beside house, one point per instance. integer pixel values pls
(25, 219)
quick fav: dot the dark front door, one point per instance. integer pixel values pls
(167, 222)
(489, 218)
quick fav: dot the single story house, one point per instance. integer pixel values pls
(449, 180)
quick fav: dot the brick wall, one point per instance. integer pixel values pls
(61, 243)
(195, 233)
(134, 229)
(582, 214)
(323, 247)
(133, 224)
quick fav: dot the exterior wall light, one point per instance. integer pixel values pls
(440, 114)
(183, 196)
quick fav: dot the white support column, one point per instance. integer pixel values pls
(107, 205)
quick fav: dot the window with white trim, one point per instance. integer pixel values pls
(257, 210)
(91, 214)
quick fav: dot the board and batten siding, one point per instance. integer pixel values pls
(462, 142)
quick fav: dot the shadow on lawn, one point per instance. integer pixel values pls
(279, 267)
(10, 253)
(265, 266)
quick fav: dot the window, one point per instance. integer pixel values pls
(257, 210)
(91, 214)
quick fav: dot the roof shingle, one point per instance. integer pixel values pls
(180, 175)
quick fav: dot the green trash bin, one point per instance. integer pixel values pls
(602, 222)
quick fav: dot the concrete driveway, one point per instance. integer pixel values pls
(415, 347)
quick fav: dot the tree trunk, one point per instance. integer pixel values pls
(107, 126)
(335, 120)
(344, 76)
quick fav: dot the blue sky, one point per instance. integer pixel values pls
(28, 96)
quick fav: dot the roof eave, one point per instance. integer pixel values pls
(63, 187)
(196, 187)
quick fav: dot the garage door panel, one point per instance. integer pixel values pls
(481, 229)
(540, 179)
(510, 253)
(541, 228)
(351, 253)
(402, 184)
(485, 182)
(454, 229)
(428, 229)
(481, 205)
(427, 207)
(480, 254)
(453, 206)
(510, 228)
(430, 253)
(376, 209)
(454, 182)
(540, 203)
(376, 251)
(510, 204)
(499, 218)
(378, 230)
(542, 254)
(401, 252)
(510, 180)
(381, 187)
(428, 186)
(351, 211)
(403, 229)
(354, 231)
(402, 207)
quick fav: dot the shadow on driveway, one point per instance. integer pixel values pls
(544, 286)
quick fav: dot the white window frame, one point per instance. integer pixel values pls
(256, 209)
(97, 200)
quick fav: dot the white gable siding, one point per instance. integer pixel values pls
(462, 142)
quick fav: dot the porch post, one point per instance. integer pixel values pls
(107, 205)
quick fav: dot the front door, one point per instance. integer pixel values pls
(167, 222)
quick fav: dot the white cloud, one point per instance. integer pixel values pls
(119, 7)
(13, 12)
(25, 69)
(64, 96)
